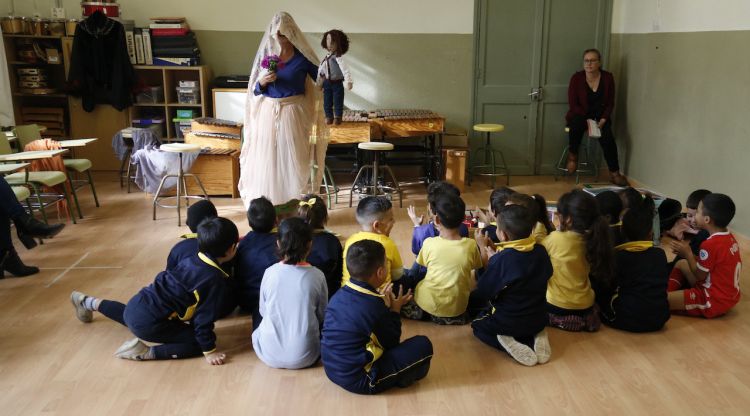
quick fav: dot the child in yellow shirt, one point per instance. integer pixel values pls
(375, 216)
(582, 248)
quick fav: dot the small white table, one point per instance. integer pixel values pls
(76, 142)
(6, 168)
(32, 155)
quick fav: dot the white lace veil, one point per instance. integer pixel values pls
(283, 23)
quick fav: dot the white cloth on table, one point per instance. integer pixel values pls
(142, 138)
(153, 164)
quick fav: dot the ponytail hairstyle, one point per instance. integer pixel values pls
(536, 204)
(637, 223)
(581, 211)
(499, 197)
(313, 210)
(294, 239)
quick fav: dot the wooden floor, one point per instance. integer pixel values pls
(53, 364)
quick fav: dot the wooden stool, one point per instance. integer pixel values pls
(587, 160)
(179, 148)
(377, 147)
(490, 166)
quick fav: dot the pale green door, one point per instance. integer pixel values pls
(525, 53)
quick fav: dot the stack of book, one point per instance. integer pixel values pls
(172, 42)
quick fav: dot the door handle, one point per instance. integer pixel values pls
(536, 94)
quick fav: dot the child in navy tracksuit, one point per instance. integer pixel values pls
(362, 328)
(515, 285)
(327, 253)
(256, 252)
(189, 245)
(179, 308)
(637, 298)
(424, 231)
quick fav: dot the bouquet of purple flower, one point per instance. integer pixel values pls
(272, 63)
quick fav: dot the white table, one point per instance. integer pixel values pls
(76, 142)
(6, 168)
(32, 155)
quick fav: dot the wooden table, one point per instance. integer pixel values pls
(76, 142)
(32, 155)
(6, 168)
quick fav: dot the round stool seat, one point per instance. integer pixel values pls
(180, 148)
(567, 129)
(377, 146)
(490, 128)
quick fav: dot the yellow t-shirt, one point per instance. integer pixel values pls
(392, 256)
(444, 291)
(539, 232)
(569, 286)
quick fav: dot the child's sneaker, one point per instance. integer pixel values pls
(132, 349)
(84, 315)
(520, 352)
(541, 347)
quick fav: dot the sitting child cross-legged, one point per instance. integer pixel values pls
(326, 253)
(179, 308)
(636, 300)
(582, 248)
(515, 283)
(443, 295)
(713, 279)
(293, 299)
(361, 348)
(375, 216)
(256, 252)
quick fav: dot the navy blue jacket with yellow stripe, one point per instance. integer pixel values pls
(191, 291)
(185, 248)
(357, 328)
(255, 253)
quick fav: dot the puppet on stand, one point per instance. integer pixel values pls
(333, 73)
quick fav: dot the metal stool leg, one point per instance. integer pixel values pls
(375, 175)
(333, 184)
(356, 178)
(200, 185)
(158, 191)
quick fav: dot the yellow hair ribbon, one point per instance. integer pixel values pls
(308, 203)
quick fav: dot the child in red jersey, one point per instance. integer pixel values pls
(714, 277)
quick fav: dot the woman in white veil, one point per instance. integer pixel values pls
(285, 137)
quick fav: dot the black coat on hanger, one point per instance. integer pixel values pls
(100, 68)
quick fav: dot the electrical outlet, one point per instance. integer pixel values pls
(58, 13)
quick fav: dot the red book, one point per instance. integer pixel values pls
(169, 32)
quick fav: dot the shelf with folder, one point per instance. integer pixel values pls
(169, 77)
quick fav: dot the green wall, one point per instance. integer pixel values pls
(681, 105)
(431, 71)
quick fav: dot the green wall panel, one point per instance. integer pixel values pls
(680, 113)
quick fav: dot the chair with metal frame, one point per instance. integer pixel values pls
(36, 180)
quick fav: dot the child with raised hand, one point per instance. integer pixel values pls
(443, 295)
(637, 299)
(537, 205)
(610, 205)
(375, 216)
(514, 284)
(361, 348)
(713, 279)
(293, 299)
(582, 248)
(424, 231)
(326, 253)
(498, 199)
(196, 213)
(256, 252)
(178, 309)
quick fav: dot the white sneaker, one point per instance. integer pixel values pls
(520, 352)
(84, 315)
(132, 349)
(541, 347)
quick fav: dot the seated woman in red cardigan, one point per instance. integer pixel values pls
(591, 96)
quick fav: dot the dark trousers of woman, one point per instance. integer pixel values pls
(578, 126)
(400, 366)
(333, 98)
(177, 338)
(9, 208)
